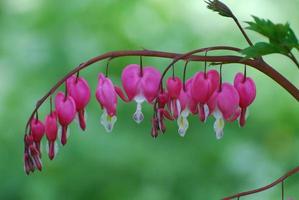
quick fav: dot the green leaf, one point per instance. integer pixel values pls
(261, 49)
(281, 37)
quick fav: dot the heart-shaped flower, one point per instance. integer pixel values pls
(51, 130)
(79, 90)
(187, 105)
(203, 86)
(37, 132)
(247, 92)
(107, 98)
(174, 86)
(224, 105)
(140, 86)
(66, 112)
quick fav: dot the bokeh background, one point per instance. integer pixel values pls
(40, 41)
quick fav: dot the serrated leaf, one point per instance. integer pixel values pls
(280, 35)
(261, 49)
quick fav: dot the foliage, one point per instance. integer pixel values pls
(281, 38)
(42, 40)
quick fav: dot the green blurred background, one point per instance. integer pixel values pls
(40, 41)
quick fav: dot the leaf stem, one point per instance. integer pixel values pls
(293, 58)
(242, 30)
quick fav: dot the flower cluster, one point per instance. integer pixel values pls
(204, 95)
(67, 106)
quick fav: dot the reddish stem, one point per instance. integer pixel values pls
(256, 63)
(280, 180)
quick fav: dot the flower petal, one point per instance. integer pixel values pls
(108, 121)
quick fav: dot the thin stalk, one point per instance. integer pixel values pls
(278, 181)
(293, 58)
(242, 30)
(257, 64)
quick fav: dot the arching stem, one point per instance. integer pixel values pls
(256, 63)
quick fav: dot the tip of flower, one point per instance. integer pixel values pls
(219, 7)
(138, 115)
(182, 132)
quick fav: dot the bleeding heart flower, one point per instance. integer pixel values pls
(107, 98)
(247, 92)
(203, 86)
(160, 114)
(187, 105)
(51, 129)
(162, 99)
(224, 105)
(140, 86)
(28, 162)
(174, 87)
(31, 155)
(37, 132)
(79, 90)
(66, 112)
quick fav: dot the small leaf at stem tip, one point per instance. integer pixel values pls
(219, 7)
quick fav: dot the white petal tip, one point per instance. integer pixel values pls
(183, 123)
(138, 115)
(182, 132)
(218, 127)
(219, 136)
(108, 121)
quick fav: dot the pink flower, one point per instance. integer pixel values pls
(37, 132)
(160, 113)
(28, 162)
(107, 98)
(162, 99)
(224, 105)
(187, 105)
(247, 92)
(51, 129)
(32, 152)
(66, 112)
(174, 86)
(203, 86)
(155, 127)
(31, 155)
(140, 86)
(79, 90)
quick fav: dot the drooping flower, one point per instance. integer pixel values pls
(79, 90)
(247, 92)
(28, 162)
(66, 112)
(224, 105)
(37, 131)
(155, 127)
(174, 87)
(187, 105)
(51, 129)
(203, 86)
(140, 85)
(31, 155)
(107, 98)
(160, 112)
